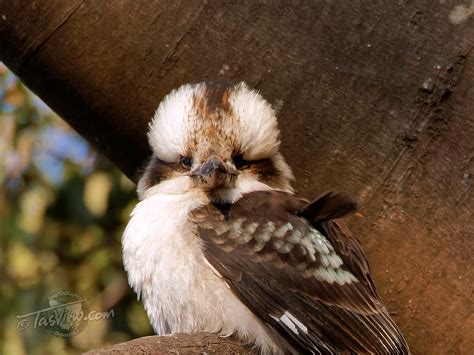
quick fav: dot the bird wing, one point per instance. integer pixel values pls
(302, 273)
(321, 213)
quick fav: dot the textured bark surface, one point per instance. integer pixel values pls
(375, 98)
(199, 343)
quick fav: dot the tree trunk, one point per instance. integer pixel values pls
(376, 98)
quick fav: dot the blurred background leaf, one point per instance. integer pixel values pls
(63, 209)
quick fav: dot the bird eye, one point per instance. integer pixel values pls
(240, 162)
(185, 162)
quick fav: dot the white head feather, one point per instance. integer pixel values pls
(256, 128)
(204, 118)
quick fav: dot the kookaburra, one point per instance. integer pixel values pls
(220, 243)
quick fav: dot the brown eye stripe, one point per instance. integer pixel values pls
(259, 166)
(266, 170)
(240, 162)
(262, 167)
(158, 170)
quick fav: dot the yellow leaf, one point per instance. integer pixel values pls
(96, 193)
(33, 204)
(22, 263)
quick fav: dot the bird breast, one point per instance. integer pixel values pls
(166, 267)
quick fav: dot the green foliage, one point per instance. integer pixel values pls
(63, 209)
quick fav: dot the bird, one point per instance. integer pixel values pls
(219, 242)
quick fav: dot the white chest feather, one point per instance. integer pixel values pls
(166, 268)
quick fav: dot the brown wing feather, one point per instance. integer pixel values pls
(276, 261)
(330, 205)
(348, 247)
(321, 213)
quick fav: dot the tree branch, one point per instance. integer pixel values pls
(376, 98)
(198, 343)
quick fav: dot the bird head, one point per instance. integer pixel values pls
(215, 138)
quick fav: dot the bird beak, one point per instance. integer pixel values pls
(214, 173)
(207, 167)
(212, 166)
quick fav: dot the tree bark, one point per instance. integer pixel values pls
(198, 343)
(376, 98)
